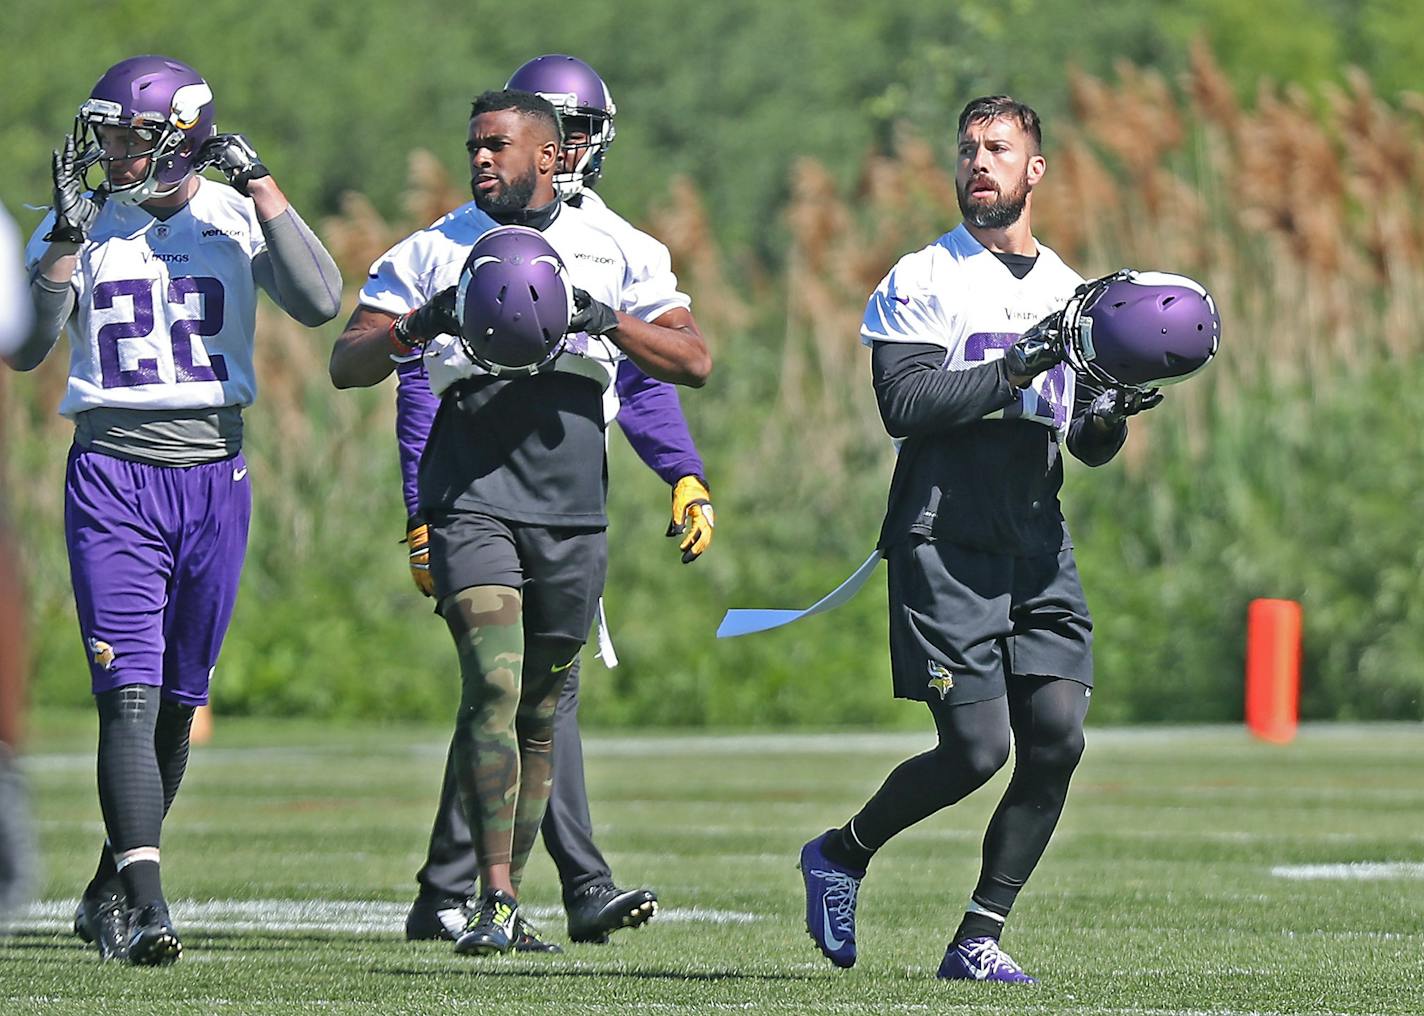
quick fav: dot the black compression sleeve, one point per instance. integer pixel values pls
(130, 787)
(917, 396)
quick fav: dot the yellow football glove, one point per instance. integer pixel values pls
(417, 538)
(692, 517)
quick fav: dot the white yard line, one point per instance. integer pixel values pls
(355, 917)
(1353, 871)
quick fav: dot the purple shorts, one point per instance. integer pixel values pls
(155, 554)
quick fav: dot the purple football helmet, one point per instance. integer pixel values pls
(1137, 330)
(167, 103)
(583, 101)
(513, 302)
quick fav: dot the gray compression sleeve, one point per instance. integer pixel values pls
(53, 302)
(297, 271)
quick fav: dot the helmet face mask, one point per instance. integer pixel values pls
(1138, 330)
(586, 106)
(513, 302)
(152, 96)
(583, 160)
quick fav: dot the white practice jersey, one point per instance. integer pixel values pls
(957, 295)
(165, 309)
(617, 264)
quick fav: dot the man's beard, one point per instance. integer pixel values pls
(512, 197)
(1002, 213)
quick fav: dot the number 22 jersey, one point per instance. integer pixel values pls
(166, 308)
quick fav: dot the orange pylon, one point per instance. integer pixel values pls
(1273, 669)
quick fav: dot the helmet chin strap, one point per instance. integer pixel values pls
(143, 191)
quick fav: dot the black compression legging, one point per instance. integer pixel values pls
(143, 754)
(1046, 717)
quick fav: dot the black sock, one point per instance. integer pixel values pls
(841, 846)
(978, 926)
(142, 883)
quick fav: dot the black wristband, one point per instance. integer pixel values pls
(241, 179)
(67, 233)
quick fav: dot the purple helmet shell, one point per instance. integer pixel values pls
(1142, 329)
(584, 102)
(164, 99)
(513, 301)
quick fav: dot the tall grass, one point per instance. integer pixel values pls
(1292, 467)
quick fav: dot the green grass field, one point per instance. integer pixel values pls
(1195, 872)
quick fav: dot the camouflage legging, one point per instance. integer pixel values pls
(504, 733)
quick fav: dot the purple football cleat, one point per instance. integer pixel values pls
(830, 902)
(981, 959)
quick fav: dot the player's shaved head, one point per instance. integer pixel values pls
(1003, 107)
(533, 107)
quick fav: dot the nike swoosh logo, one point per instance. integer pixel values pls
(901, 299)
(831, 940)
(238, 474)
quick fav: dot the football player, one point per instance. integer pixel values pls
(988, 624)
(650, 416)
(15, 833)
(155, 274)
(512, 482)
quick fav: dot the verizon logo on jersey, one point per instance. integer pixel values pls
(212, 231)
(596, 259)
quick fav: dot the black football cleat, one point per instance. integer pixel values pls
(153, 941)
(599, 910)
(438, 918)
(493, 928)
(528, 939)
(103, 921)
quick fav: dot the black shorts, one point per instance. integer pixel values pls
(560, 570)
(963, 620)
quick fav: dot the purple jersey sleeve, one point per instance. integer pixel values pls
(652, 420)
(415, 413)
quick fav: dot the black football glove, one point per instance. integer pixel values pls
(1115, 405)
(591, 316)
(75, 210)
(435, 317)
(235, 157)
(1038, 349)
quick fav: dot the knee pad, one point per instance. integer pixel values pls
(1061, 751)
(131, 706)
(547, 664)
